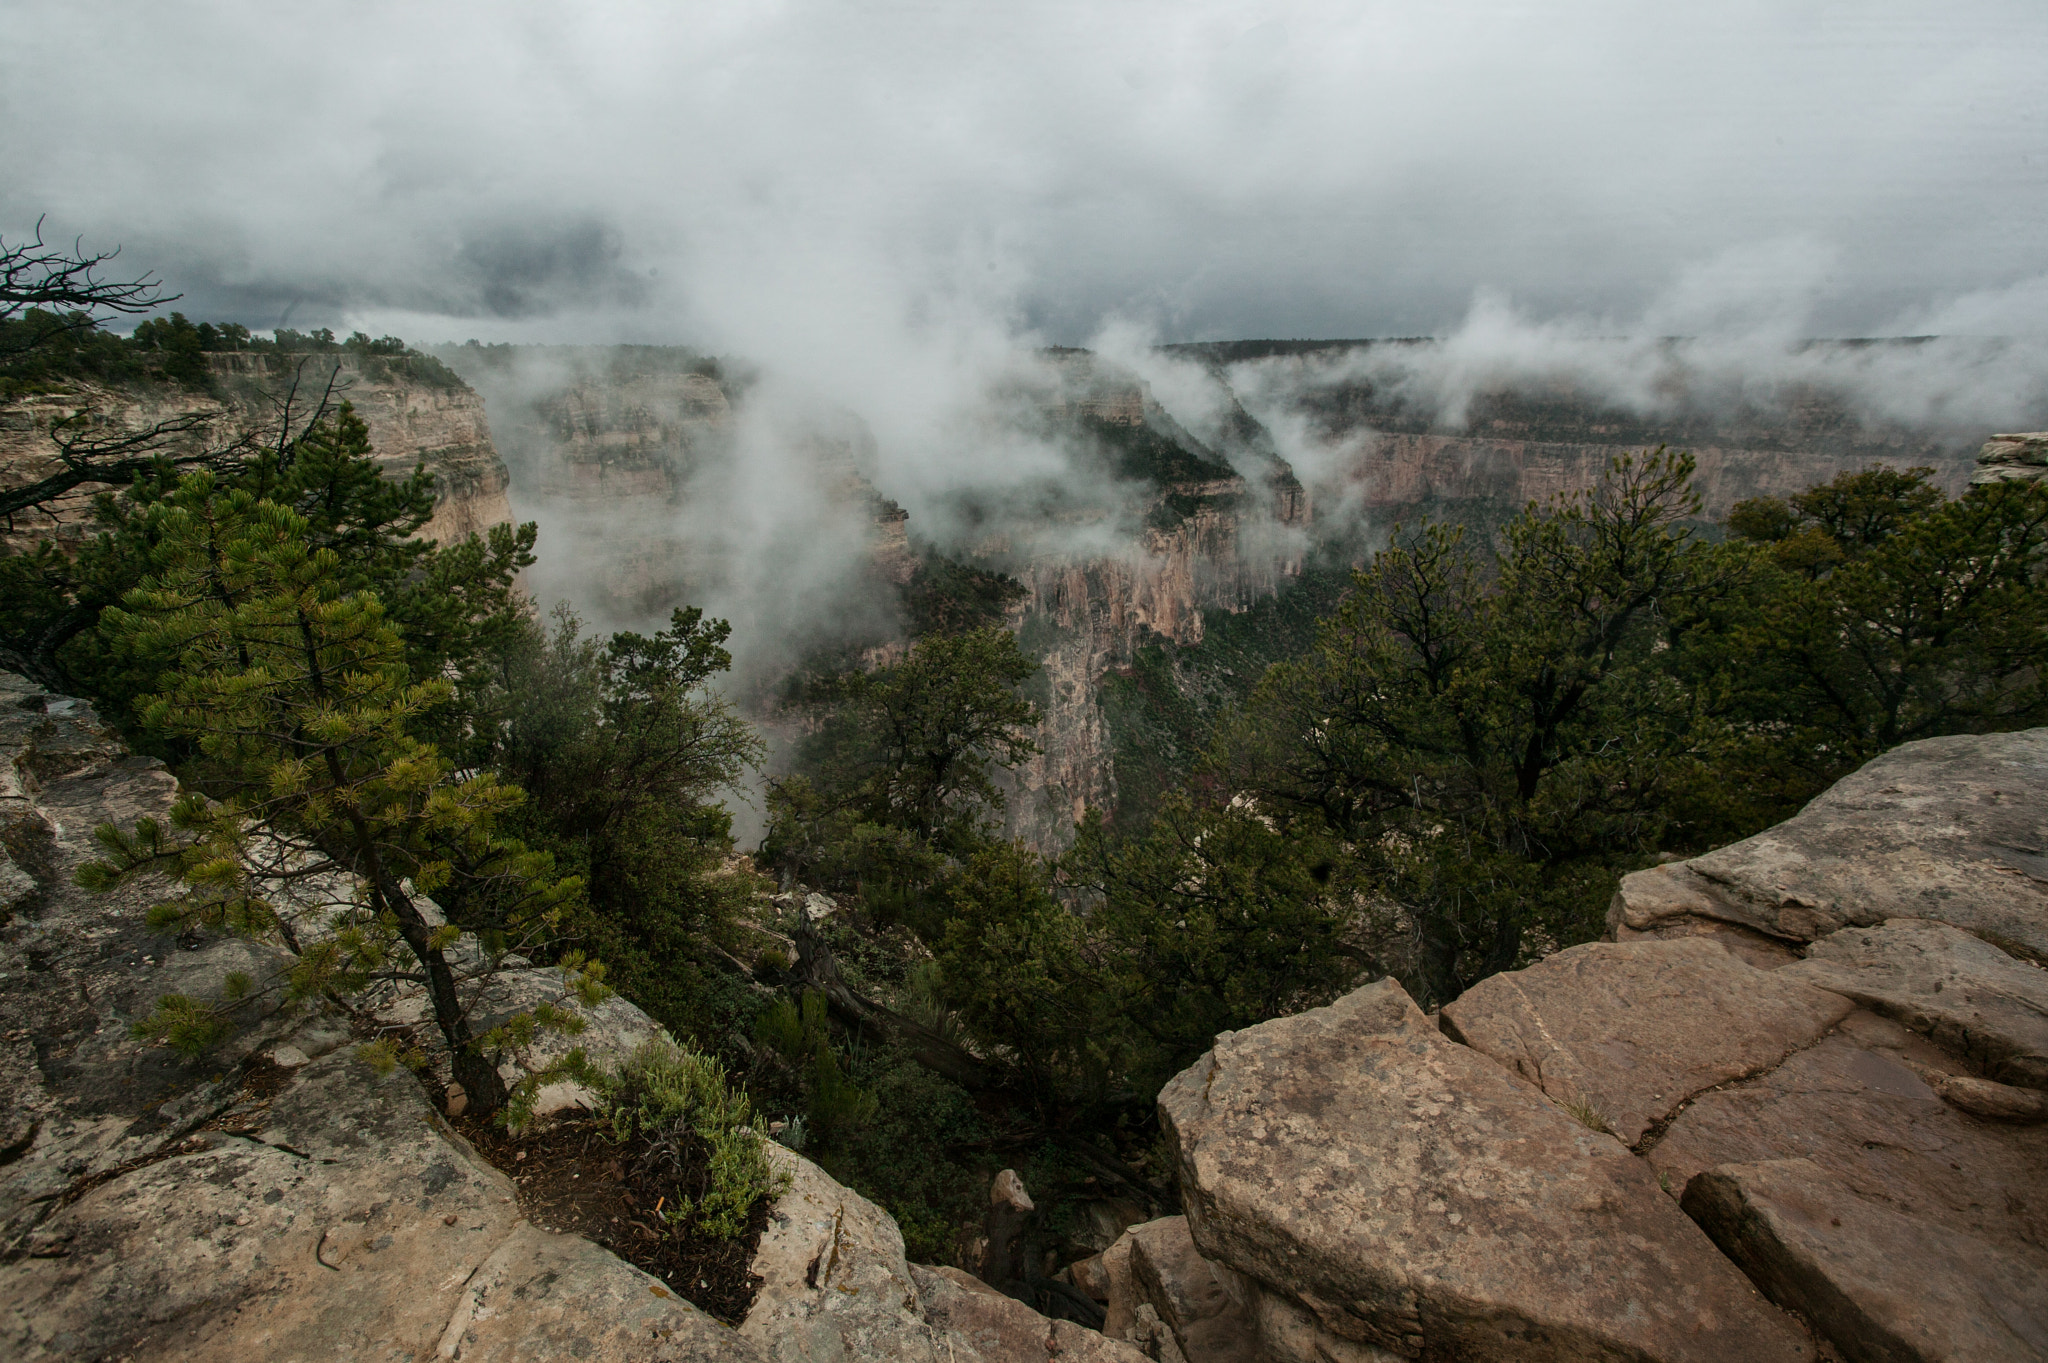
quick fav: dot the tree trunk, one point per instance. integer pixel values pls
(481, 1083)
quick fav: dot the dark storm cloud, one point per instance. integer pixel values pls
(701, 170)
(534, 269)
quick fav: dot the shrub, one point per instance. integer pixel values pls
(699, 1129)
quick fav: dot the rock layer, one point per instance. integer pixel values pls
(1880, 1285)
(1949, 829)
(411, 422)
(1969, 996)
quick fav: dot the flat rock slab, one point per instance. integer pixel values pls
(355, 1224)
(1952, 829)
(1967, 995)
(1881, 1285)
(1859, 1105)
(1414, 1196)
(1636, 1028)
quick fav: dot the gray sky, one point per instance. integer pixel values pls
(777, 178)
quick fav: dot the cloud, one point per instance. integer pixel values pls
(703, 172)
(887, 206)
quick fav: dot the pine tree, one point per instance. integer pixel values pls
(293, 684)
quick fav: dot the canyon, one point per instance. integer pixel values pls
(650, 466)
(663, 477)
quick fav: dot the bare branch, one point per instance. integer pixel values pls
(35, 274)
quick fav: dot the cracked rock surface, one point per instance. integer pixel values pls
(1824, 1044)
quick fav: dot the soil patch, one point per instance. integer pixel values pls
(574, 1179)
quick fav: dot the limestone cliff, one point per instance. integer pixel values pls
(1405, 446)
(412, 420)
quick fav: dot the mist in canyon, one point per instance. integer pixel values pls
(851, 252)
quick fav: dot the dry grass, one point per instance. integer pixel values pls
(1582, 1110)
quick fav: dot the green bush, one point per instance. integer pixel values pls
(675, 1098)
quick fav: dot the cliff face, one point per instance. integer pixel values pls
(1090, 615)
(1409, 432)
(653, 494)
(410, 421)
(1394, 472)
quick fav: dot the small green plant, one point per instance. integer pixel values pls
(700, 1129)
(799, 1034)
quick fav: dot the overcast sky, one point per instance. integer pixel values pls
(753, 176)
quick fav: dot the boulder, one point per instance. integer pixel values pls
(1636, 1028)
(2020, 455)
(1188, 1294)
(1882, 1285)
(1411, 1195)
(1967, 995)
(1859, 1106)
(1952, 829)
(970, 1320)
(1003, 1228)
(834, 1282)
(835, 1286)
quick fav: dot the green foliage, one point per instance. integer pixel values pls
(1499, 736)
(1215, 919)
(1886, 613)
(624, 749)
(1016, 970)
(945, 596)
(1161, 710)
(292, 686)
(45, 351)
(453, 604)
(918, 1155)
(700, 1127)
(1146, 453)
(799, 1033)
(901, 768)
(189, 1026)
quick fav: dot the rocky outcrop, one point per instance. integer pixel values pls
(412, 421)
(1411, 1196)
(1947, 828)
(2007, 458)
(1796, 1107)
(283, 1200)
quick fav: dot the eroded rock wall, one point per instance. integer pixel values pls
(411, 422)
